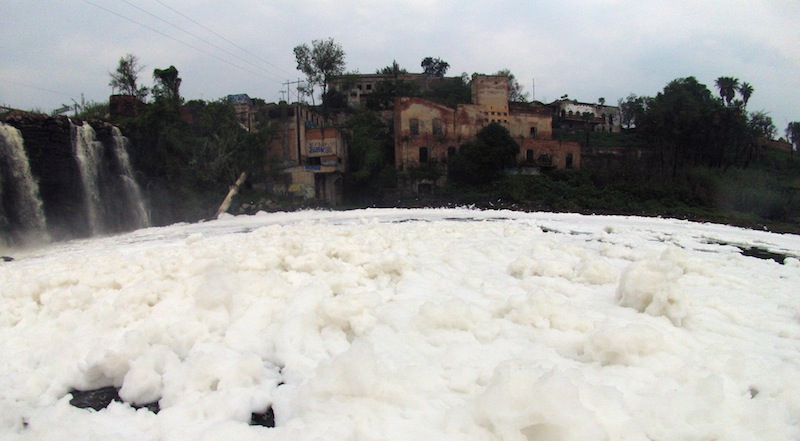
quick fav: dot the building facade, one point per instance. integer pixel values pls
(427, 133)
(574, 115)
(305, 159)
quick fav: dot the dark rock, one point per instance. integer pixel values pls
(96, 399)
(100, 399)
(266, 419)
(6, 258)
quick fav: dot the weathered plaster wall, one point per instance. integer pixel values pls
(436, 137)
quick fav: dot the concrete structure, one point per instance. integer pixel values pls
(246, 110)
(305, 159)
(574, 115)
(357, 87)
(427, 133)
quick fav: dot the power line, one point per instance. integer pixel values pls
(198, 37)
(174, 39)
(35, 87)
(223, 38)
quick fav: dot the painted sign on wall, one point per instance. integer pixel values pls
(320, 147)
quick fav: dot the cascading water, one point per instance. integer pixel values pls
(89, 155)
(133, 193)
(21, 212)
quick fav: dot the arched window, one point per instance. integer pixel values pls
(423, 155)
(437, 126)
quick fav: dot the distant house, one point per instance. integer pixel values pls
(574, 115)
(427, 133)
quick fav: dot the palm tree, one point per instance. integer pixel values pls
(727, 88)
(746, 90)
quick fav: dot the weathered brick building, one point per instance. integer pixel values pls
(427, 133)
(307, 159)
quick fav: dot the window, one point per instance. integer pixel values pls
(369, 86)
(569, 160)
(529, 156)
(533, 132)
(413, 126)
(423, 155)
(437, 126)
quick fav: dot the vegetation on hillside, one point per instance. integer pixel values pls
(700, 154)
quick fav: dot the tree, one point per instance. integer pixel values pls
(369, 155)
(746, 91)
(434, 66)
(167, 86)
(793, 134)
(761, 125)
(394, 69)
(679, 121)
(125, 77)
(320, 62)
(515, 93)
(601, 101)
(483, 160)
(727, 88)
(632, 110)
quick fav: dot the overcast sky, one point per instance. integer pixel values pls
(54, 51)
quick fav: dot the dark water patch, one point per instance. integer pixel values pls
(98, 399)
(757, 252)
(763, 253)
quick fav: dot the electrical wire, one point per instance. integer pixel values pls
(175, 39)
(199, 38)
(225, 39)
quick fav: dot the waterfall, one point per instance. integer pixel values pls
(21, 209)
(133, 193)
(88, 152)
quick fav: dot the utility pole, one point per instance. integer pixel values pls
(533, 89)
(289, 91)
(296, 115)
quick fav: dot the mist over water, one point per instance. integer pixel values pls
(21, 210)
(60, 179)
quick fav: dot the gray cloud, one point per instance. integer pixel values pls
(54, 51)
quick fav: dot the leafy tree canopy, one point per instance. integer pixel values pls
(483, 160)
(632, 109)
(320, 62)
(434, 66)
(167, 85)
(125, 77)
(394, 69)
